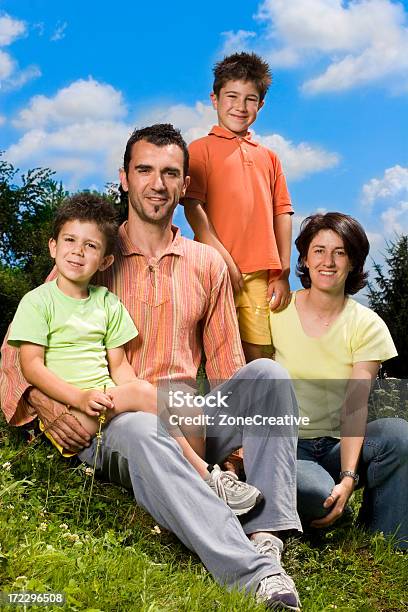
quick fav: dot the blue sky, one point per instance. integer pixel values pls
(77, 77)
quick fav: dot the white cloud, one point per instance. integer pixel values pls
(59, 32)
(2, 120)
(77, 150)
(391, 188)
(83, 128)
(82, 99)
(393, 183)
(358, 42)
(78, 132)
(395, 219)
(193, 121)
(6, 65)
(10, 29)
(301, 159)
(11, 77)
(236, 41)
(21, 77)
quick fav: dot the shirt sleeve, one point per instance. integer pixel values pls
(221, 339)
(372, 340)
(197, 188)
(30, 322)
(281, 198)
(120, 326)
(13, 385)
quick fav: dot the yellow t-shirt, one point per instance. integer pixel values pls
(321, 367)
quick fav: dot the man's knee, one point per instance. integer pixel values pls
(135, 428)
(265, 369)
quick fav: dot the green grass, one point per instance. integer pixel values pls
(116, 560)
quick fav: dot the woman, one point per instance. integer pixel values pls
(332, 347)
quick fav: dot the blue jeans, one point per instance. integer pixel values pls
(383, 470)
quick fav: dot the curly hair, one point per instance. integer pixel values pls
(355, 242)
(89, 207)
(243, 67)
(159, 134)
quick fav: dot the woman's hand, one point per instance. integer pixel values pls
(337, 501)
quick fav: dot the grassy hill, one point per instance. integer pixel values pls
(106, 554)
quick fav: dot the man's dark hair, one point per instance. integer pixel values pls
(89, 207)
(355, 242)
(159, 134)
(243, 67)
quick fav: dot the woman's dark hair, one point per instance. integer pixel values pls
(355, 242)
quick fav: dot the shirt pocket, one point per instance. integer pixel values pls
(152, 287)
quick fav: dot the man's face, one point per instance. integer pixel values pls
(155, 181)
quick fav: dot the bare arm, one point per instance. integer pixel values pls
(205, 233)
(119, 368)
(92, 402)
(279, 287)
(354, 420)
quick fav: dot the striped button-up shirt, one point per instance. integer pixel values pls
(182, 305)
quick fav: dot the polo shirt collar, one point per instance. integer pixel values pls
(221, 132)
(127, 247)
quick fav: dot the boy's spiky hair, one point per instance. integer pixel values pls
(243, 67)
(89, 207)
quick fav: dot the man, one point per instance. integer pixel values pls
(179, 296)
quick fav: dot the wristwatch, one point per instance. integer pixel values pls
(352, 475)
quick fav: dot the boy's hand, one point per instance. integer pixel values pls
(237, 280)
(93, 402)
(278, 294)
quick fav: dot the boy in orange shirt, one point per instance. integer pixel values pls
(238, 201)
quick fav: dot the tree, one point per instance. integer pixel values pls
(27, 207)
(389, 298)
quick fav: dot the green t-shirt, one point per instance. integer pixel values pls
(74, 332)
(321, 367)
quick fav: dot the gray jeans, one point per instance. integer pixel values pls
(137, 452)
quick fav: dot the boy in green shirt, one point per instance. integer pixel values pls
(72, 334)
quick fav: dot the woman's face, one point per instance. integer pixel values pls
(328, 262)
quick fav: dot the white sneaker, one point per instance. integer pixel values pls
(268, 545)
(241, 497)
(278, 592)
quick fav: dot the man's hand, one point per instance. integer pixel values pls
(64, 428)
(237, 280)
(278, 294)
(93, 402)
(337, 501)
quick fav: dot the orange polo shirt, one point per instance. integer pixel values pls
(242, 187)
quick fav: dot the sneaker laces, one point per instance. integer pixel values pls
(226, 481)
(269, 547)
(278, 589)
